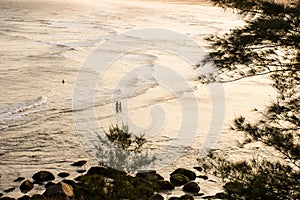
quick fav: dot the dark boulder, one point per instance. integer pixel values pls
(7, 198)
(191, 187)
(178, 179)
(150, 175)
(25, 197)
(220, 195)
(8, 190)
(79, 163)
(60, 191)
(37, 197)
(165, 185)
(63, 174)
(106, 172)
(26, 186)
(43, 176)
(203, 177)
(186, 197)
(19, 179)
(49, 184)
(188, 173)
(70, 182)
(174, 198)
(157, 197)
(80, 171)
(199, 169)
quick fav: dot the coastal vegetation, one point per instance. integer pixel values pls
(268, 45)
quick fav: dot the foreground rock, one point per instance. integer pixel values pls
(60, 191)
(43, 176)
(191, 187)
(26, 186)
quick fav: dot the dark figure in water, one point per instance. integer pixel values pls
(117, 106)
(63, 81)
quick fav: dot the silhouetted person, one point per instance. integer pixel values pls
(120, 107)
(117, 106)
(63, 81)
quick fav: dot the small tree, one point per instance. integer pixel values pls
(124, 151)
(269, 44)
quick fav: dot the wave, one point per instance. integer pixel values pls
(12, 113)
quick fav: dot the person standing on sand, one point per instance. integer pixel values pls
(117, 106)
(120, 107)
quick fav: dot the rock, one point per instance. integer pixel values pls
(9, 190)
(37, 197)
(69, 182)
(203, 177)
(150, 175)
(63, 174)
(80, 171)
(25, 197)
(186, 197)
(106, 172)
(19, 179)
(165, 185)
(26, 186)
(188, 173)
(199, 169)
(178, 179)
(49, 184)
(59, 191)
(191, 187)
(1, 194)
(43, 176)
(79, 163)
(157, 197)
(7, 198)
(174, 198)
(220, 195)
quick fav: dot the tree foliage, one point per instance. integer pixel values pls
(269, 44)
